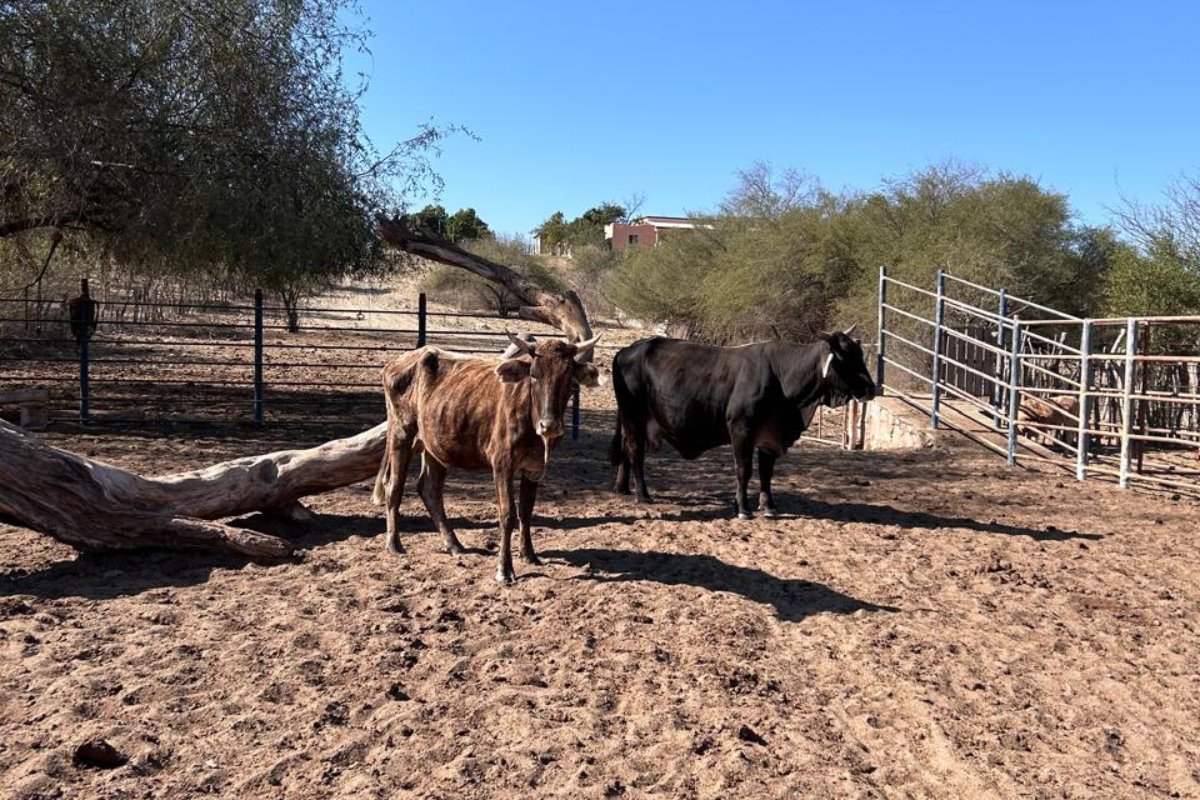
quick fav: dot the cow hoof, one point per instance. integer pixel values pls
(456, 549)
(392, 543)
(745, 515)
(621, 490)
(770, 513)
(645, 499)
(506, 578)
(531, 559)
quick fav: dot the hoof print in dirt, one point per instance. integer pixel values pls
(99, 754)
(748, 734)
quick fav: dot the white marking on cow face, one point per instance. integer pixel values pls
(825, 369)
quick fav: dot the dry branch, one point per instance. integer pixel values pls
(563, 311)
(94, 506)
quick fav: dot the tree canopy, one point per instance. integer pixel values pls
(218, 135)
(784, 255)
(586, 229)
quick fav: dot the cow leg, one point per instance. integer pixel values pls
(639, 463)
(766, 469)
(399, 453)
(743, 458)
(619, 455)
(432, 486)
(525, 517)
(508, 512)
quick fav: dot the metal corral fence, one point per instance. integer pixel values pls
(130, 361)
(1114, 398)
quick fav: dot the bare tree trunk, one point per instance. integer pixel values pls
(563, 311)
(95, 506)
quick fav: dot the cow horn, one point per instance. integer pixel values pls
(520, 344)
(850, 330)
(584, 347)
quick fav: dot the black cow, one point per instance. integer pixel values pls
(756, 397)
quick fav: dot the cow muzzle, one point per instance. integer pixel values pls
(552, 432)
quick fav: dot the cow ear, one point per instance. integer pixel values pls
(587, 374)
(514, 370)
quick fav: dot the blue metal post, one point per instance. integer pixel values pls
(421, 320)
(939, 311)
(1014, 394)
(258, 357)
(84, 355)
(1127, 401)
(1085, 379)
(879, 349)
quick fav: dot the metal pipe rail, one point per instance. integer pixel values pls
(191, 359)
(1135, 396)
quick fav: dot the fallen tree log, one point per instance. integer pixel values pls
(563, 311)
(94, 506)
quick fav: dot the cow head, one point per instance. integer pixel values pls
(552, 368)
(844, 370)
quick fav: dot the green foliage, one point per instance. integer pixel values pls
(786, 257)
(216, 137)
(1160, 282)
(463, 226)
(430, 218)
(586, 229)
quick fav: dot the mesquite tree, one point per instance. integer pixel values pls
(218, 137)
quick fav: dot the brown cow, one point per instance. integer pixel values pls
(473, 414)
(1060, 410)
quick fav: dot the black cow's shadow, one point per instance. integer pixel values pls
(793, 599)
(801, 508)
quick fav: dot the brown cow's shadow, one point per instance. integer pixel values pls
(793, 599)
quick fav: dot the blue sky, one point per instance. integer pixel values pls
(576, 104)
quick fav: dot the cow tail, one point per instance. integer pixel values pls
(616, 450)
(379, 495)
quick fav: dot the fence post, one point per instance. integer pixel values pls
(1139, 446)
(575, 415)
(881, 321)
(1085, 379)
(998, 386)
(258, 357)
(421, 320)
(1014, 395)
(84, 354)
(939, 311)
(1127, 400)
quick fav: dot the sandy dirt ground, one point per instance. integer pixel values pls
(919, 624)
